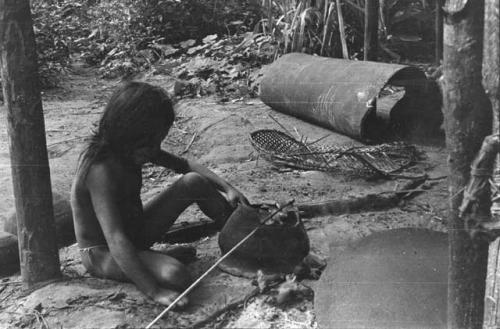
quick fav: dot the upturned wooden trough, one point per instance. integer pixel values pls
(368, 101)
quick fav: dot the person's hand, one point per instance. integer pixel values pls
(166, 297)
(233, 196)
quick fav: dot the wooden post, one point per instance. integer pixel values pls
(371, 30)
(439, 31)
(467, 121)
(28, 150)
(491, 83)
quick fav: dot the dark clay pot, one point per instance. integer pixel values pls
(283, 243)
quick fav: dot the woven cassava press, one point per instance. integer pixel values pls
(282, 149)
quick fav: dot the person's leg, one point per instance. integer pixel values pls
(169, 272)
(161, 211)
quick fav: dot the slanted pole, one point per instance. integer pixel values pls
(371, 30)
(468, 118)
(28, 150)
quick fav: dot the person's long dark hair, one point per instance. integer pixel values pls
(134, 113)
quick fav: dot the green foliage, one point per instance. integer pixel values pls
(54, 27)
(125, 36)
(313, 26)
(306, 26)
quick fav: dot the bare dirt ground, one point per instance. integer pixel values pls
(221, 141)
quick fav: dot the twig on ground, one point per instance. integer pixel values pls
(237, 304)
(438, 177)
(198, 133)
(402, 176)
(41, 320)
(7, 296)
(160, 175)
(9, 283)
(85, 113)
(214, 123)
(190, 143)
(67, 140)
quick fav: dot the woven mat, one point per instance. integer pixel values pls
(382, 159)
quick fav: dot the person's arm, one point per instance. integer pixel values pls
(182, 165)
(103, 190)
(233, 195)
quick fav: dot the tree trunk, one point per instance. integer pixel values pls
(491, 83)
(371, 30)
(467, 121)
(439, 31)
(28, 150)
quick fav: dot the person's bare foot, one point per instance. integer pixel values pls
(167, 297)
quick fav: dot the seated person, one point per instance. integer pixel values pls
(114, 230)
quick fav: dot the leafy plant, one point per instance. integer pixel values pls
(315, 26)
(306, 26)
(122, 37)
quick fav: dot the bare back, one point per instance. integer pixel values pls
(127, 187)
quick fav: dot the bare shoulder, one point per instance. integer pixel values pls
(105, 173)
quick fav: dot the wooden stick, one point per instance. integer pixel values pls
(319, 139)
(9, 283)
(190, 143)
(345, 52)
(326, 30)
(194, 284)
(355, 6)
(279, 124)
(394, 55)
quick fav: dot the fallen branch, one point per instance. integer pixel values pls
(369, 202)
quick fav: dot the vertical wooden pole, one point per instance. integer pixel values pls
(491, 83)
(467, 114)
(439, 31)
(371, 30)
(28, 151)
